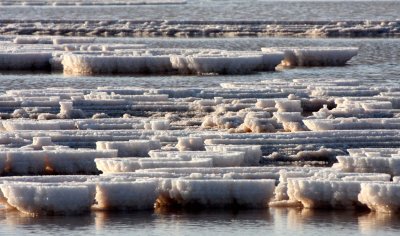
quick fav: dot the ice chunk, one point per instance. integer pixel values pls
(222, 193)
(324, 193)
(372, 164)
(132, 148)
(49, 199)
(90, 65)
(190, 144)
(137, 195)
(315, 56)
(252, 153)
(381, 197)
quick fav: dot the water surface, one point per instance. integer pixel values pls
(217, 10)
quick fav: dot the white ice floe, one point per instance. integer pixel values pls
(132, 148)
(381, 197)
(89, 65)
(352, 123)
(204, 62)
(369, 164)
(190, 144)
(315, 56)
(51, 160)
(135, 195)
(320, 193)
(50, 199)
(115, 165)
(219, 159)
(221, 193)
(252, 154)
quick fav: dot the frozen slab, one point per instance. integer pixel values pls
(371, 164)
(91, 65)
(219, 159)
(381, 197)
(115, 165)
(222, 193)
(228, 63)
(252, 154)
(315, 56)
(49, 199)
(136, 195)
(132, 148)
(352, 123)
(324, 193)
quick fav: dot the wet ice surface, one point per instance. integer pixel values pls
(211, 10)
(248, 222)
(377, 58)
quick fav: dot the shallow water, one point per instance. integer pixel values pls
(273, 221)
(218, 10)
(378, 60)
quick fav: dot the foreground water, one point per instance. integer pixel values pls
(217, 222)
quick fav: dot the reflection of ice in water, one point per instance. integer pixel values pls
(375, 222)
(252, 222)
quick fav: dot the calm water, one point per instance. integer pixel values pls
(250, 222)
(219, 10)
(378, 59)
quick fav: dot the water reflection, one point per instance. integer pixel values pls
(277, 221)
